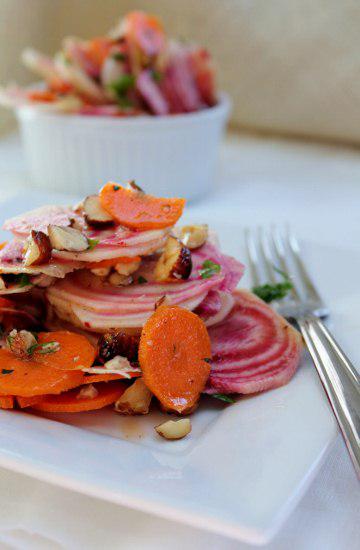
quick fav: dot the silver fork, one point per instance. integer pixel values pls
(271, 250)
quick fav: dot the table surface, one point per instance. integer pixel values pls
(264, 179)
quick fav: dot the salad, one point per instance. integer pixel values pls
(110, 302)
(136, 69)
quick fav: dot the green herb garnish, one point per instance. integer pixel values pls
(223, 397)
(116, 187)
(141, 280)
(121, 87)
(92, 243)
(7, 371)
(270, 292)
(44, 348)
(22, 280)
(157, 76)
(48, 347)
(208, 269)
(118, 56)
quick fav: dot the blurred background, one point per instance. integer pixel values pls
(291, 67)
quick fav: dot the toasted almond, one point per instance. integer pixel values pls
(116, 279)
(174, 263)
(174, 429)
(67, 238)
(101, 271)
(194, 236)
(88, 391)
(135, 400)
(94, 213)
(38, 250)
(127, 268)
(20, 343)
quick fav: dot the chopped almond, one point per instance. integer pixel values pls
(174, 429)
(38, 249)
(116, 279)
(194, 236)
(21, 343)
(67, 238)
(127, 268)
(174, 263)
(135, 400)
(94, 213)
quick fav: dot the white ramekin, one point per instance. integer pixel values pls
(169, 155)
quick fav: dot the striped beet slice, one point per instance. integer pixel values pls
(254, 349)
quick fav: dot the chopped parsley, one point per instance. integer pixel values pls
(270, 292)
(208, 269)
(223, 397)
(92, 243)
(141, 280)
(121, 87)
(22, 280)
(7, 371)
(116, 187)
(48, 347)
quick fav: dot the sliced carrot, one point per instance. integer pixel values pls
(174, 354)
(27, 378)
(98, 50)
(24, 402)
(137, 210)
(94, 378)
(75, 350)
(2, 245)
(6, 402)
(112, 261)
(45, 96)
(70, 402)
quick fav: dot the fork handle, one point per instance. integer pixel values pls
(340, 380)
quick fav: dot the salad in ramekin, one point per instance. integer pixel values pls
(132, 104)
(133, 70)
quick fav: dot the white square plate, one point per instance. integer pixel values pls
(239, 473)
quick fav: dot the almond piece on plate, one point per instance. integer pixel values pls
(174, 429)
(67, 238)
(174, 263)
(135, 400)
(38, 249)
(94, 213)
(194, 236)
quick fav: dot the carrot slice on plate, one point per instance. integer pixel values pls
(94, 378)
(69, 351)
(6, 402)
(174, 355)
(136, 210)
(29, 377)
(71, 402)
(112, 261)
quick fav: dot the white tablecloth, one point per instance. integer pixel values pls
(269, 179)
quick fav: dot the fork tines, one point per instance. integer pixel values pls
(273, 252)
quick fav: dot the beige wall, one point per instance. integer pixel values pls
(290, 65)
